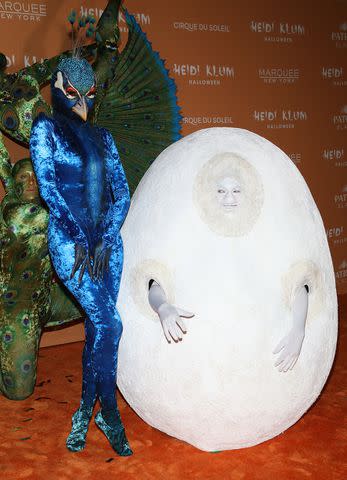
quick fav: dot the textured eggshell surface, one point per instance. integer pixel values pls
(238, 273)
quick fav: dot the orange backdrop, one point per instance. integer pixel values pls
(278, 68)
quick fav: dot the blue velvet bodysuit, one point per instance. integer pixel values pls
(81, 179)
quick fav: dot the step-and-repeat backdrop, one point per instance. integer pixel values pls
(276, 67)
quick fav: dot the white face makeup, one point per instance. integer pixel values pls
(228, 193)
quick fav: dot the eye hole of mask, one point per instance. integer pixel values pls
(92, 92)
(71, 92)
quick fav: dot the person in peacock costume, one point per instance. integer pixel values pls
(83, 183)
(136, 101)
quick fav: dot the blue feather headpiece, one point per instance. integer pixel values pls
(79, 72)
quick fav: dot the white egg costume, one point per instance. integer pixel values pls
(238, 271)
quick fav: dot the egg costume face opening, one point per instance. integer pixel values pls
(228, 194)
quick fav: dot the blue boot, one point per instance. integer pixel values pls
(111, 424)
(80, 422)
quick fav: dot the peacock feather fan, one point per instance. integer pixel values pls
(140, 105)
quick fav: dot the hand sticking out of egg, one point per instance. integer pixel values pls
(290, 345)
(169, 315)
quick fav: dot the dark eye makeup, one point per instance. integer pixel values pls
(91, 92)
(71, 91)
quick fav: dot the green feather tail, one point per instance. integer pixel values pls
(140, 106)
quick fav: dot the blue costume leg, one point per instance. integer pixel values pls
(108, 419)
(88, 381)
(62, 250)
(103, 332)
(112, 331)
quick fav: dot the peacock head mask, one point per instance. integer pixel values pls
(73, 88)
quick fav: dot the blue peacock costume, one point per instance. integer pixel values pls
(136, 101)
(82, 180)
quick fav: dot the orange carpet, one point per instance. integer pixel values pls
(33, 432)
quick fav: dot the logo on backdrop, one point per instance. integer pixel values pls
(340, 199)
(141, 18)
(25, 11)
(11, 60)
(28, 60)
(340, 37)
(207, 75)
(335, 156)
(206, 121)
(201, 27)
(295, 158)
(278, 32)
(340, 120)
(278, 119)
(334, 75)
(336, 235)
(282, 75)
(341, 273)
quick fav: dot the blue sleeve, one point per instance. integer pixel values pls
(120, 190)
(42, 155)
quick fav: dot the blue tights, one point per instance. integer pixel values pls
(103, 330)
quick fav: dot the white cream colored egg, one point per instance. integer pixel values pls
(235, 261)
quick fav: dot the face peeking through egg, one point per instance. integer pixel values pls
(228, 194)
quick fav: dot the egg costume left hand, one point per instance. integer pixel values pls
(82, 180)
